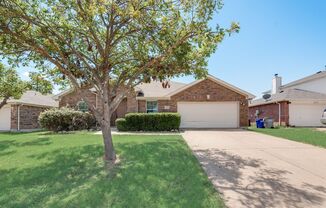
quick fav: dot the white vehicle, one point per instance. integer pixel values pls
(323, 118)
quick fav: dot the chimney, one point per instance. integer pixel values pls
(276, 84)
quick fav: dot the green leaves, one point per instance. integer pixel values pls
(125, 37)
(39, 83)
(11, 86)
(114, 44)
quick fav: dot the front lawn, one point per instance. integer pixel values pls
(305, 135)
(66, 170)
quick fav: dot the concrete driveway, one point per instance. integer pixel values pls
(256, 170)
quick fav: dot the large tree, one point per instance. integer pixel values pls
(39, 83)
(11, 86)
(111, 45)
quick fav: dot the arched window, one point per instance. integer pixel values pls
(82, 106)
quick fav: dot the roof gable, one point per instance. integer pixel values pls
(35, 98)
(155, 90)
(290, 95)
(318, 75)
(218, 81)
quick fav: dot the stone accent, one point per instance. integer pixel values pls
(198, 93)
(272, 111)
(28, 117)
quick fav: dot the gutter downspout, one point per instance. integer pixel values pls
(279, 113)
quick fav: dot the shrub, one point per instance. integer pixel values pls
(151, 122)
(65, 119)
(83, 120)
(121, 124)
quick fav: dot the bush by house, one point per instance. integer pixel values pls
(66, 119)
(149, 122)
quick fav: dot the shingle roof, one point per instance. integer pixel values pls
(318, 75)
(291, 95)
(36, 99)
(155, 88)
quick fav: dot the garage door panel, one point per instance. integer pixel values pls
(208, 114)
(5, 117)
(306, 114)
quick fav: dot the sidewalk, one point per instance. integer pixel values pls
(115, 131)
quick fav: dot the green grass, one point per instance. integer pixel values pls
(305, 135)
(67, 170)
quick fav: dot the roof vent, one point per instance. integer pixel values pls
(140, 94)
(267, 96)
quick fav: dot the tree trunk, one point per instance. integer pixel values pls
(109, 153)
(3, 102)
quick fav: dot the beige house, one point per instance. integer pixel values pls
(298, 103)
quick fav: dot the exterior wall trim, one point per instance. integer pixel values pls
(31, 104)
(153, 98)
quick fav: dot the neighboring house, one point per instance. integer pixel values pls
(298, 103)
(22, 114)
(205, 103)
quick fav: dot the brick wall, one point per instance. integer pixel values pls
(198, 93)
(28, 117)
(272, 111)
(132, 104)
(73, 98)
(129, 104)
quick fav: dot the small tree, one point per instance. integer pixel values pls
(39, 83)
(111, 45)
(11, 86)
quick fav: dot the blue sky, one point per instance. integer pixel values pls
(287, 37)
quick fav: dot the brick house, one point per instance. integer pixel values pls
(298, 103)
(205, 103)
(22, 114)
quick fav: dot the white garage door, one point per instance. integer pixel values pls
(209, 114)
(306, 114)
(5, 113)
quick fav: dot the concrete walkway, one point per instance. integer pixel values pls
(256, 170)
(114, 131)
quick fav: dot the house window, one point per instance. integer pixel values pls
(82, 106)
(151, 107)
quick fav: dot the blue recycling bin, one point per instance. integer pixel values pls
(260, 123)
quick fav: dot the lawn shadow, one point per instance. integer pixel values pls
(6, 144)
(264, 187)
(37, 142)
(150, 174)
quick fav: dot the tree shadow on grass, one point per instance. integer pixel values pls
(151, 174)
(6, 144)
(262, 187)
(37, 142)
